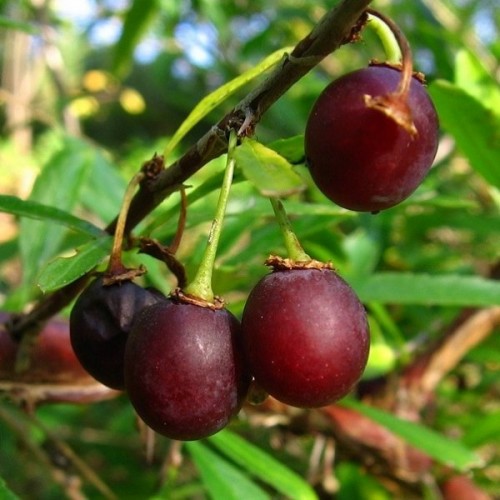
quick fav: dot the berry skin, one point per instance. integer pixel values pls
(360, 158)
(184, 372)
(51, 358)
(52, 373)
(306, 336)
(100, 322)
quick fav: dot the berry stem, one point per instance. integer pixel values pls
(391, 47)
(115, 265)
(201, 286)
(395, 104)
(293, 247)
(401, 41)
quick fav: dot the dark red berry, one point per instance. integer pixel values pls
(50, 358)
(100, 322)
(358, 156)
(50, 372)
(306, 336)
(184, 373)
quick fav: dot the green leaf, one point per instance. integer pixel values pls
(487, 432)
(106, 184)
(291, 148)
(137, 19)
(14, 24)
(64, 270)
(446, 451)
(263, 466)
(472, 76)
(218, 96)
(39, 211)
(221, 478)
(59, 184)
(6, 493)
(268, 171)
(475, 128)
(424, 289)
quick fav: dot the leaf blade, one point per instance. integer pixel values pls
(5, 492)
(222, 479)
(138, 17)
(475, 128)
(64, 270)
(15, 24)
(260, 464)
(267, 170)
(59, 184)
(426, 289)
(40, 211)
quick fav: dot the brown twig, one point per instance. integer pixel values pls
(339, 26)
(419, 380)
(336, 28)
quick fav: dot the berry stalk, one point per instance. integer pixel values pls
(201, 286)
(395, 105)
(293, 247)
(115, 265)
(389, 42)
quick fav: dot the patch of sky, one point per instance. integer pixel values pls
(106, 31)
(424, 61)
(79, 12)
(246, 28)
(198, 40)
(485, 26)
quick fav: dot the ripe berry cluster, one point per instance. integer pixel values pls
(186, 368)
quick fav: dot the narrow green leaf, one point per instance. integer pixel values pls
(221, 478)
(106, 184)
(6, 493)
(59, 185)
(263, 466)
(475, 128)
(424, 289)
(446, 451)
(268, 171)
(14, 24)
(64, 270)
(219, 95)
(137, 19)
(473, 77)
(34, 210)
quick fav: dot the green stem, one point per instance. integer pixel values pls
(293, 247)
(394, 39)
(201, 286)
(386, 36)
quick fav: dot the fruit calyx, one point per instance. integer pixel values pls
(418, 75)
(395, 104)
(181, 296)
(394, 107)
(286, 264)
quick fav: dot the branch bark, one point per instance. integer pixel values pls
(339, 26)
(420, 379)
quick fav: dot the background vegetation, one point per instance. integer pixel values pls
(90, 91)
